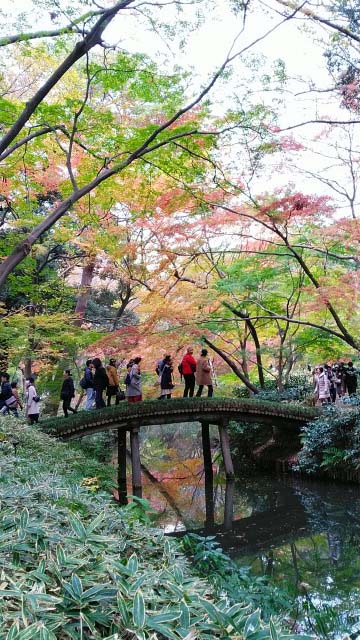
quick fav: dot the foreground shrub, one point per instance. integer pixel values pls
(76, 566)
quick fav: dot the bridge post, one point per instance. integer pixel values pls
(225, 448)
(135, 462)
(229, 505)
(205, 434)
(208, 469)
(122, 488)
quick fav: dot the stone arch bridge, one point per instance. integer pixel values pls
(208, 411)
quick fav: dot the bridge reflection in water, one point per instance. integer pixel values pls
(256, 533)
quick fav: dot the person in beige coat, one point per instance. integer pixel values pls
(113, 386)
(203, 374)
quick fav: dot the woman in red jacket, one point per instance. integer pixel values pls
(188, 368)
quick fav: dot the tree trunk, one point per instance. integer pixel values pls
(85, 286)
(252, 330)
(232, 366)
(125, 298)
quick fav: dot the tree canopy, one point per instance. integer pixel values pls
(138, 189)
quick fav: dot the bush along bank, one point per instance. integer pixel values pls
(76, 566)
(331, 445)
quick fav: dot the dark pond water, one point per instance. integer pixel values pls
(303, 535)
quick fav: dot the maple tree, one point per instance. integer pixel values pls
(134, 198)
(123, 136)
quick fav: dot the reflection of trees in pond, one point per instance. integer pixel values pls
(335, 503)
(322, 574)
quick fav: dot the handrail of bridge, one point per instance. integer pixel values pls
(129, 413)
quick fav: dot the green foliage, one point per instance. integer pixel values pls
(296, 389)
(236, 581)
(330, 442)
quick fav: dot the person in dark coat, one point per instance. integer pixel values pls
(351, 379)
(5, 391)
(101, 382)
(67, 393)
(166, 378)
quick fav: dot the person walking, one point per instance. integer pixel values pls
(351, 379)
(203, 374)
(88, 385)
(187, 370)
(332, 384)
(337, 370)
(12, 403)
(315, 376)
(101, 382)
(166, 378)
(67, 393)
(5, 391)
(113, 387)
(322, 388)
(32, 408)
(133, 382)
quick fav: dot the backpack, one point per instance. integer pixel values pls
(127, 379)
(83, 383)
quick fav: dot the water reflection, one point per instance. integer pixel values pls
(303, 536)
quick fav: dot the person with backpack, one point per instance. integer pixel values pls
(32, 407)
(133, 381)
(166, 378)
(113, 387)
(159, 366)
(87, 383)
(203, 374)
(101, 382)
(351, 379)
(67, 393)
(187, 369)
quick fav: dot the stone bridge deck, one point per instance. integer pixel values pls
(214, 410)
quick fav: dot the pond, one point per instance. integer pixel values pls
(302, 536)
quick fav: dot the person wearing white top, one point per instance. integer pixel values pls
(32, 406)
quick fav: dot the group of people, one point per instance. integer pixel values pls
(191, 370)
(334, 381)
(98, 380)
(10, 400)
(330, 382)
